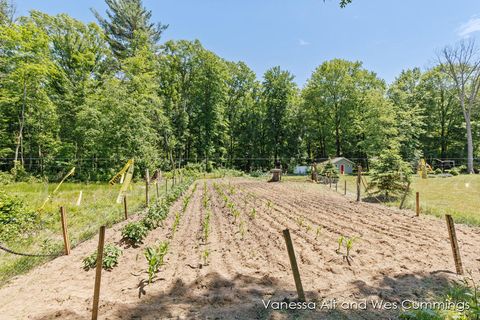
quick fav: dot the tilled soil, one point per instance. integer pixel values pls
(395, 257)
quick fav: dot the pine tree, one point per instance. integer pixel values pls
(389, 174)
(126, 19)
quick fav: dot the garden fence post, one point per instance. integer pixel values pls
(405, 195)
(66, 241)
(453, 241)
(125, 208)
(293, 264)
(417, 201)
(98, 274)
(147, 180)
(359, 177)
(345, 188)
(157, 185)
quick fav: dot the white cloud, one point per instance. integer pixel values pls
(303, 42)
(466, 29)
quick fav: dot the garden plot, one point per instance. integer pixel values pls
(226, 254)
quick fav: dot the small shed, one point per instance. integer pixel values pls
(300, 170)
(344, 166)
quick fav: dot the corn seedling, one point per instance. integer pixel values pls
(253, 213)
(236, 214)
(340, 243)
(206, 227)
(348, 246)
(318, 231)
(308, 228)
(242, 229)
(205, 255)
(300, 222)
(176, 223)
(155, 258)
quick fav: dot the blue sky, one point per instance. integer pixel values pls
(386, 35)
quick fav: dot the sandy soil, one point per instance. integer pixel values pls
(397, 257)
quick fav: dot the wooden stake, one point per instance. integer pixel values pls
(453, 241)
(336, 186)
(166, 185)
(417, 203)
(66, 241)
(79, 200)
(157, 186)
(359, 177)
(405, 195)
(98, 274)
(293, 264)
(147, 195)
(125, 208)
(345, 188)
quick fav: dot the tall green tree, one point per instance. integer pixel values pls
(26, 68)
(278, 93)
(124, 19)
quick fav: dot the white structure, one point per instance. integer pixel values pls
(300, 170)
(344, 166)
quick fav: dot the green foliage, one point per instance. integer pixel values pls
(15, 217)
(329, 170)
(389, 174)
(111, 253)
(205, 256)
(134, 233)
(155, 258)
(155, 215)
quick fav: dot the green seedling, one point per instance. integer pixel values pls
(155, 258)
(236, 214)
(176, 223)
(206, 227)
(300, 222)
(348, 246)
(205, 255)
(253, 213)
(340, 242)
(242, 229)
(308, 228)
(318, 231)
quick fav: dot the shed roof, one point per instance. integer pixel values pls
(337, 159)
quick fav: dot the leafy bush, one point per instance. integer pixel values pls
(134, 233)
(389, 174)
(15, 217)
(256, 173)
(438, 171)
(454, 172)
(329, 170)
(6, 178)
(462, 169)
(111, 254)
(155, 215)
(465, 304)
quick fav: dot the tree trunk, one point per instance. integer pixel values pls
(21, 123)
(469, 143)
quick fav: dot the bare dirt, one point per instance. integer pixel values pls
(397, 256)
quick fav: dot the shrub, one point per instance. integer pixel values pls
(111, 254)
(155, 215)
(134, 233)
(256, 173)
(454, 172)
(389, 174)
(462, 169)
(6, 178)
(329, 170)
(438, 171)
(15, 217)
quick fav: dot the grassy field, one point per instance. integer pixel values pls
(98, 207)
(458, 196)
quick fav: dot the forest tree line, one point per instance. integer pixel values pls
(93, 95)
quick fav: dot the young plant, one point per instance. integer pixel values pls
(241, 229)
(111, 254)
(206, 227)
(348, 246)
(300, 222)
(253, 213)
(308, 228)
(318, 231)
(340, 243)
(155, 258)
(134, 233)
(176, 223)
(205, 255)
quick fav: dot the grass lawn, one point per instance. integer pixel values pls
(98, 207)
(458, 195)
